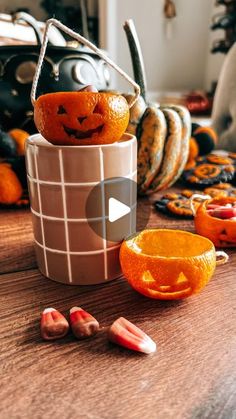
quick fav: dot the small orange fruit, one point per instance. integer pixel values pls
(19, 136)
(167, 264)
(81, 118)
(10, 186)
(193, 149)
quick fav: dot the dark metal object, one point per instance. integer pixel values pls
(64, 69)
(221, 45)
(224, 22)
(226, 2)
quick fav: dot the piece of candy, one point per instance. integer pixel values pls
(124, 333)
(213, 206)
(223, 212)
(53, 324)
(83, 324)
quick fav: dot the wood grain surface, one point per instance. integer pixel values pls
(192, 374)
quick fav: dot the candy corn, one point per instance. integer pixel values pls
(53, 324)
(124, 333)
(82, 323)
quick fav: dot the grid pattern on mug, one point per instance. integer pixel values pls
(67, 246)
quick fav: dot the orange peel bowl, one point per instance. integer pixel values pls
(221, 232)
(167, 264)
(81, 118)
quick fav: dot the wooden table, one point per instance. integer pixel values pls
(192, 375)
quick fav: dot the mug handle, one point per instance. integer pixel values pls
(82, 40)
(223, 258)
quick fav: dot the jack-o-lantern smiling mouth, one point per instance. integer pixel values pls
(179, 288)
(80, 134)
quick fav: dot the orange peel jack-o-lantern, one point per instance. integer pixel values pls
(168, 264)
(222, 232)
(81, 118)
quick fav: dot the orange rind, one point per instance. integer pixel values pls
(81, 118)
(221, 232)
(167, 264)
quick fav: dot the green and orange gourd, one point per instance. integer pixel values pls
(163, 132)
(167, 140)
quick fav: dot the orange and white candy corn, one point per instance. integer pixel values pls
(83, 324)
(53, 324)
(124, 333)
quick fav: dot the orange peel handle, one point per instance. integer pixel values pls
(223, 258)
(197, 196)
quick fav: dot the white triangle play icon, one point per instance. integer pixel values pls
(117, 210)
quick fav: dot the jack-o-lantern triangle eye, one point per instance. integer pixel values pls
(61, 110)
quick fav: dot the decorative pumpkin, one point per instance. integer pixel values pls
(206, 139)
(162, 132)
(152, 134)
(81, 118)
(163, 135)
(221, 232)
(136, 112)
(13, 182)
(167, 264)
(202, 142)
(171, 153)
(193, 154)
(10, 186)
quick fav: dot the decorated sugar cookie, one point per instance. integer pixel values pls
(210, 170)
(178, 204)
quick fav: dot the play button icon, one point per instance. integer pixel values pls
(111, 209)
(117, 210)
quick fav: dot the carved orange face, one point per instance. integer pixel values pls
(221, 232)
(167, 264)
(81, 118)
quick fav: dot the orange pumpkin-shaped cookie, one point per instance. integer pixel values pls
(221, 232)
(81, 118)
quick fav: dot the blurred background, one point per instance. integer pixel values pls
(177, 58)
